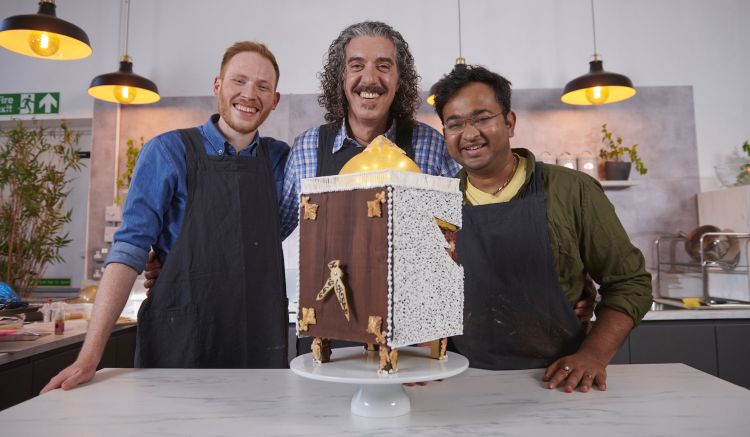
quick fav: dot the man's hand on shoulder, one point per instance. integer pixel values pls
(152, 271)
(584, 308)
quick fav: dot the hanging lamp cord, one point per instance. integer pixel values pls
(460, 52)
(593, 28)
(127, 25)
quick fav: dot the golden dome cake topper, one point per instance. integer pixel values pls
(381, 154)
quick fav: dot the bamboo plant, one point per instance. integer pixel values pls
(34, 183)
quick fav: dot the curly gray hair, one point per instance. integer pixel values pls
(406, 101)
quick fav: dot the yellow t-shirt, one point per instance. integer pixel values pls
(478, 197)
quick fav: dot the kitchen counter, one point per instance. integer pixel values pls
(654, 400)
(697, 314)
(27, 366)
(74, 333)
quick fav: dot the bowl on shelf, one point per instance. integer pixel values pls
(730, 175)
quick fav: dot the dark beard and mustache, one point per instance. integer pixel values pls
(369, 89)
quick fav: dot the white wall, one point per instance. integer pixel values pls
(535, 43)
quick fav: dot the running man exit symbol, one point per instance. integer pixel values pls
(30, 103)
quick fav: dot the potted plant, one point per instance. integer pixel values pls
(34, 183)
(123, 182)
(737, 169)
(615, 169)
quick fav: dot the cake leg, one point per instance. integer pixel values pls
(438, 347)
(388, 360)
(371, 347)
(321, 350)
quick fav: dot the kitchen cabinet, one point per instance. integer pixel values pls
(733, 347)
(675, 342)
(23, 378)
(718, 347)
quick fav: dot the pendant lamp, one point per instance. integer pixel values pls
(597, 87)
(124, 86)
(43, 35)
(460, 61)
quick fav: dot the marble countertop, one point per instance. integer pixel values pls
(646, 399)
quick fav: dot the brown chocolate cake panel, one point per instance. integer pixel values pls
(343, 231)
(381, 236)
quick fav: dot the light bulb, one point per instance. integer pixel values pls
(43, 43)
(597, 95)
(124, 94)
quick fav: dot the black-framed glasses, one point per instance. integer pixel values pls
(457, 125)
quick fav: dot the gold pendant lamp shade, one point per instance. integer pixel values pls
(124, 86)
(597, 87)
(43, 35)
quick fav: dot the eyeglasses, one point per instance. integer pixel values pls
(457, 126)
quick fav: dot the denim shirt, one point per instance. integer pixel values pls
(155, 205)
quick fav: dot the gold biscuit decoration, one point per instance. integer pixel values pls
(449, 232)
(308, 318)
(374, 323)
(335, 283)
(311, 209)
(373, 206)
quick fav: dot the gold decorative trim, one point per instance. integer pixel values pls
(311, 209)
(308, 318)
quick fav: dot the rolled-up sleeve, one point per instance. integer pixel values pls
(151, 191)
(611, 258)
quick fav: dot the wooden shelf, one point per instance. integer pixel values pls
(618, 185)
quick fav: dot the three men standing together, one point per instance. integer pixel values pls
(206, 200)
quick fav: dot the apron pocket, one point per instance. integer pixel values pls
(167, 338)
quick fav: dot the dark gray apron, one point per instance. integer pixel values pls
(330, 163)
(516, 316)
(220, 300)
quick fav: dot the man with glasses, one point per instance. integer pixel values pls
(531, 234)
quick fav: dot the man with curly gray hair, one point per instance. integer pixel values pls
(369, 88)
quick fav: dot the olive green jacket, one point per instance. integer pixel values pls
(587, 237)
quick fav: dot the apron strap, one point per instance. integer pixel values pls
(194, 149)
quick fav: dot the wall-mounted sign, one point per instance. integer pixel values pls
(54, 282)
(29, 103)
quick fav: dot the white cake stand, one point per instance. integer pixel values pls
(379, 395)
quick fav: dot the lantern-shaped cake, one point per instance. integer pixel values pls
(377, 261)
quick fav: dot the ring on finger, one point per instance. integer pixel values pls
(588, 376)
(566, 369)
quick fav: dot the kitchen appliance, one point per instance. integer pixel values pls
(707, 264)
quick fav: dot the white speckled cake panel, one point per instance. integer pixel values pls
(428, 286)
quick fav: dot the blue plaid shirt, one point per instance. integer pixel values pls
(430, 155)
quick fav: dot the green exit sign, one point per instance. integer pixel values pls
(30, 103)
(54, 282)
